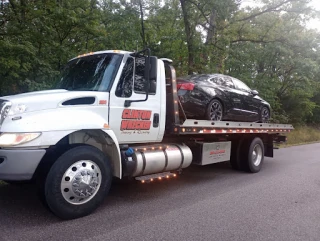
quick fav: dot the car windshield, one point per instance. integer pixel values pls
(90, 73)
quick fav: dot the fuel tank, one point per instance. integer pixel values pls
(155, 160)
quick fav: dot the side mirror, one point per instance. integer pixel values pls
(254, 92)
(150, 73)
(152, 86)
(153, 68)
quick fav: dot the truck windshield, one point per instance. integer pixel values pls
(90, 73)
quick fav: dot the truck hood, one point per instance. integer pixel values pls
(51, 99)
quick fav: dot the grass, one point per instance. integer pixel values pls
(303, 135)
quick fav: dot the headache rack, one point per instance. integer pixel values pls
(177, 123)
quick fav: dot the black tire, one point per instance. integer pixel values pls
(264, 114)
(19, 183)
(52, 189)
(218, 116)
(246, 156)
(234, 157)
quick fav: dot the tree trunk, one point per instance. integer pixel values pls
(142, 25)
(187, 27)
(212, 27)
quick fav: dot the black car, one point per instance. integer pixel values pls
(220, 97)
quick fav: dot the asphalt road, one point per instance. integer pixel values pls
(282, 202)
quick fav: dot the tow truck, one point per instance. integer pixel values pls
(116, 115)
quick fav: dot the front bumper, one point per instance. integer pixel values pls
(18, 165)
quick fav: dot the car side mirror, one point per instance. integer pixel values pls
(254, 92)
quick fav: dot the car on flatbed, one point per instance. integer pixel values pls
(116, 114)
(221, 97)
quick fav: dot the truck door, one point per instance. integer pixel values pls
(141, 120)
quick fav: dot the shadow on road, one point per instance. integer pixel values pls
(21, 208)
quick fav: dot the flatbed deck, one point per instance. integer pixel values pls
(191, 126)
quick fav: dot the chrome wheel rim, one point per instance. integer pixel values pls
(216, 111)
(257, 155)
(265, 115)
(81, 182)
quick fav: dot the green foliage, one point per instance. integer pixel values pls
(268, 46)
(303, 134)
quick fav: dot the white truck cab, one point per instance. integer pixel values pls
(115, 114)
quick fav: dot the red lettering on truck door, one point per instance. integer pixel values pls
(135, 120)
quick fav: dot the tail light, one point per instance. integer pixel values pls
(185, 86)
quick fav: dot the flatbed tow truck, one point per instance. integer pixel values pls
(115, 115)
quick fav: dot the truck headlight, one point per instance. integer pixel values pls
(13, 139)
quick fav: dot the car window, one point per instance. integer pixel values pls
(228, 82)
(223, 80)
(240, 85)
(217, 80)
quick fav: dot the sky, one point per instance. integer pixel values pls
(315, 23)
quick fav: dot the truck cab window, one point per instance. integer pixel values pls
(90, 73)
(124, 87)
(139, 79)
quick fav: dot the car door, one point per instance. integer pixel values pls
(248, 107)
(231, 99)
(139, 121)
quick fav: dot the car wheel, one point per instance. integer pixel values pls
(264, 115)
(215, 110)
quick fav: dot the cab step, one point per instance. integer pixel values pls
(156, 176)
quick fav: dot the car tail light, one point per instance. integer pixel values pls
(185, 86)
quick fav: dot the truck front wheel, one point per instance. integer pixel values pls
(78, 182)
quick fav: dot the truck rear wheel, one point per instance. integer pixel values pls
(252, 155)
(235, 154)
(78, 182)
